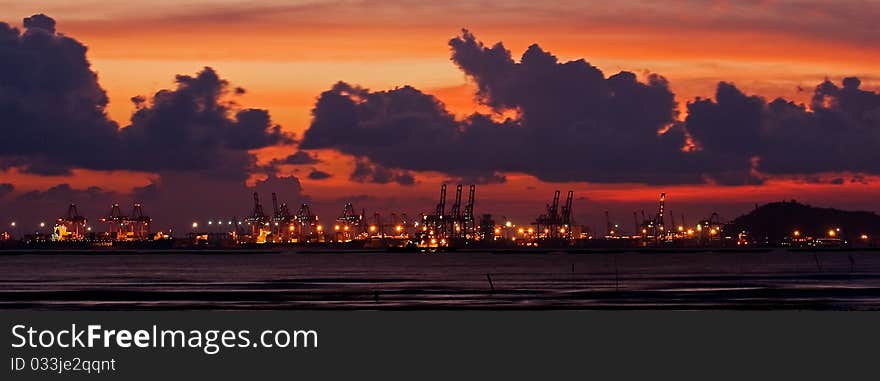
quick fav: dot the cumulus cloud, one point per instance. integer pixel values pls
(838, 132)
(53, 115)
(192, 128)
(52, 109)
(40, 21)
(574, 123)
(194, 136)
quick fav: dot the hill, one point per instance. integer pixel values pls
(778, 220)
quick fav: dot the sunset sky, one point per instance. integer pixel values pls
(285, 54)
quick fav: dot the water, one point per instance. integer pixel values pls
(288, 280)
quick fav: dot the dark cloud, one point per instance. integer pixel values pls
(192, 128)
(53, 118)
(817, 179)
(404, 178)
(319, 175)
(40, 21)
(287, 187)
(839, 132)
(52, 110)
(366, 172)
(495, 178)
(299, 158)
(53, 115)
(38, 165)
(66, 194)
(575, 124)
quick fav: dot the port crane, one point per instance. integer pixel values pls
(454, 218)
(72, 226)
(552, 224)
(468, 221)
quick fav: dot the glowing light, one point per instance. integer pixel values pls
(398, 228)
(562, 230)
(713, 231)
(832, 233)
(531, 230)
(521, 230)
(42, 224)
(699, 228)
(195, 225)
(497, 231)
(210, 222)
(12, 224)
(508, 224)
(372, 228)
(797, 233)
(336, 227)
(864, 237)
(644, 231)
(681, 228)
(320, 228)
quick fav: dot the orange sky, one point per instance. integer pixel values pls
(286, 52)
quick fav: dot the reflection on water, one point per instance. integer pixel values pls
(770, 280)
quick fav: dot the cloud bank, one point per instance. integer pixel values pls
(574, 123)
(53, 115)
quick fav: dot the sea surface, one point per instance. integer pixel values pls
(777, 279)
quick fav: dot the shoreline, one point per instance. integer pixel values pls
(500, 251)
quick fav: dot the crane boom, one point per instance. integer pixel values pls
(566, 210)
(441, 206)
(258, 208)
(455, 213)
